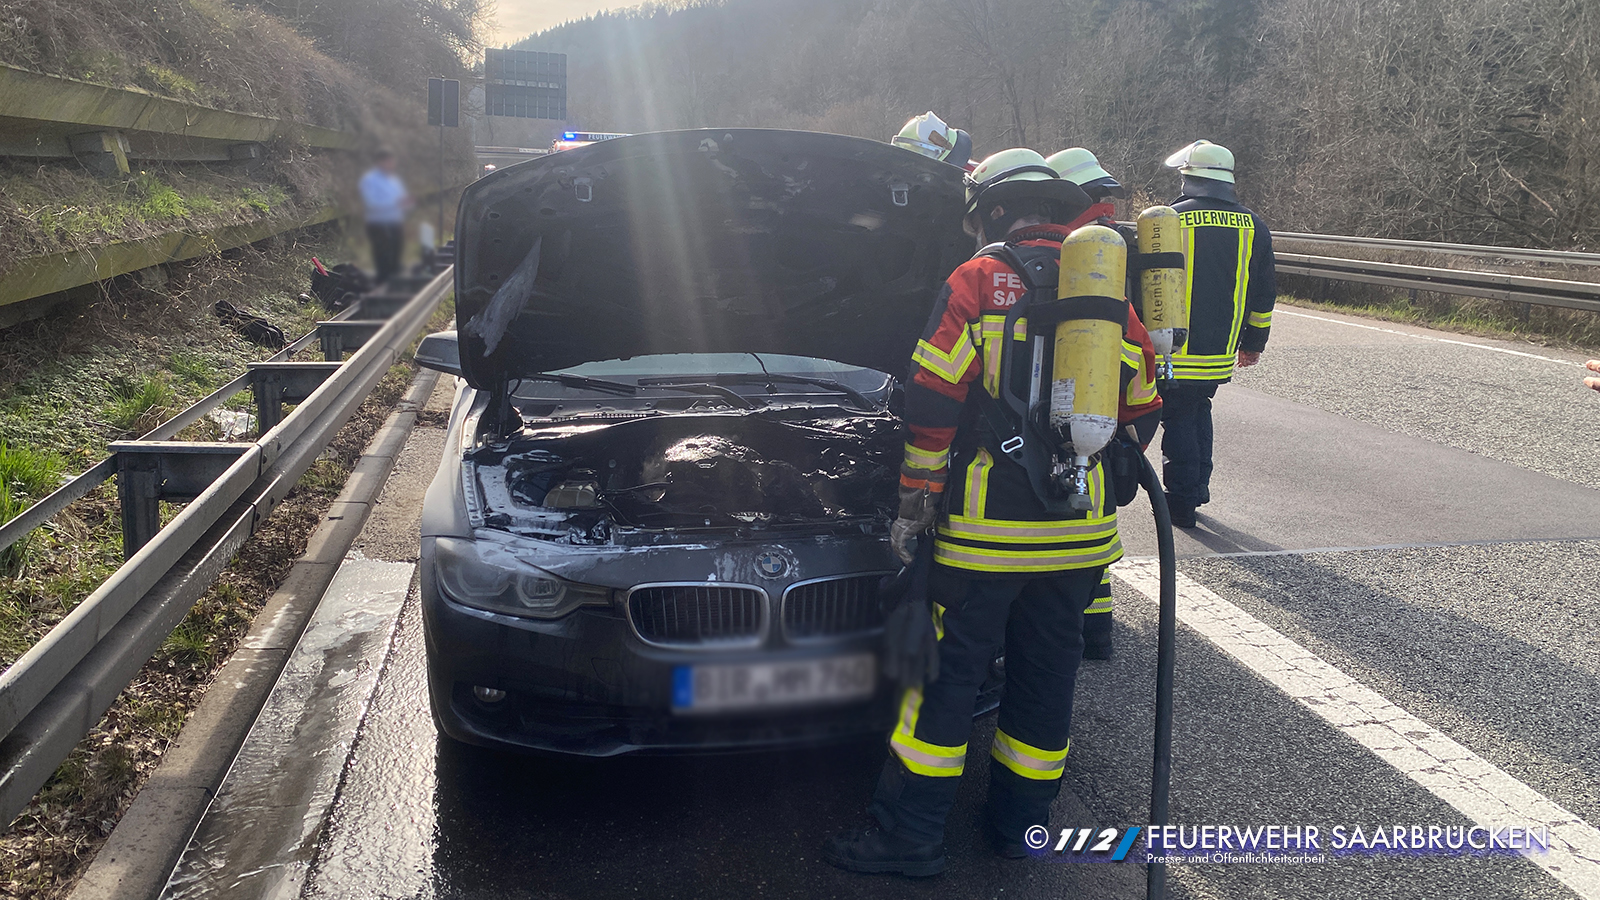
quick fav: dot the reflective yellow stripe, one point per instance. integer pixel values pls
(1132, 354)
(1102, 595)
(978, 483)
(1241, 280)
(918, 756)
(1010, 531)
(932, 460)
(1201, 373)
(938, 622)
(1097, 492)
(993, 350)
(1261, 319)
(983, 559)
(1141, 390)
(1142, 386)
(1203, 368)
(1028, 761)
(949, 366)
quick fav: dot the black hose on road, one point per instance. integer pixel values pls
(1166, 639)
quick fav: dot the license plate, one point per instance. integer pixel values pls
(720, 688)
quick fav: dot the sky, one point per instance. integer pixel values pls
(516, 19)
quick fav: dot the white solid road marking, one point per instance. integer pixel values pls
(1482, 792)
(1429, 337)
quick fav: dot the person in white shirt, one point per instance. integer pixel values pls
(386, 201)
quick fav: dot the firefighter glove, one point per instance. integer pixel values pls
(921, 492)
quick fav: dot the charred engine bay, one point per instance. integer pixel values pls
(729, 470)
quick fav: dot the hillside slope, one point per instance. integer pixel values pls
(1469, 120)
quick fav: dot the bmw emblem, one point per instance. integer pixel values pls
(772, 564)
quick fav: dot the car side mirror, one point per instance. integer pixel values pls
(441, 352)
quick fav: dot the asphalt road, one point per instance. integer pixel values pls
(1414, 512)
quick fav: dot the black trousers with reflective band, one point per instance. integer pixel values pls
(1040, 623)
(1097, 618)
(1186, 440)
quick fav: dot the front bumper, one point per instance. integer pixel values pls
(586, 685)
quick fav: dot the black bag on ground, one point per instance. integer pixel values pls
(337, 286)
(254, 328)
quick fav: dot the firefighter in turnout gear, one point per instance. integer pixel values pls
(1231, 292)
(1082, 168)
(1012, 564)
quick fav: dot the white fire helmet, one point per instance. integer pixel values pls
(1203, 159)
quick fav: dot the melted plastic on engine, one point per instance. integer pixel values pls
(714, 471)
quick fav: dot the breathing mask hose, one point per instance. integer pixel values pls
(1162, 288)
(1166, 650)
(1087, 375)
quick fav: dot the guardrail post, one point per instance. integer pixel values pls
(149, 472)
(103, 152)
(139, 492)
(382, 305)
(250, 156)
(332, 344)
(268, 390)
(277, 383)
(340, 335)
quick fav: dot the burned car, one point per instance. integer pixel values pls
(661, 517)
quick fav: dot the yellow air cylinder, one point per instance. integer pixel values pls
(1086, 379)
(1165, 312)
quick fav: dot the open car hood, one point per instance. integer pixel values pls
(713, 240)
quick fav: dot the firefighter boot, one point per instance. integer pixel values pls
(1004, 847)
(875, 851)
(1182, 512)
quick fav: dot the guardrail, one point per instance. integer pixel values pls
(53, 116)
(51, 273)
(1558, 257)
(1494, 285)
(48, 275)
(55, 693)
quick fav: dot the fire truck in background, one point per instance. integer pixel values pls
(572, 140)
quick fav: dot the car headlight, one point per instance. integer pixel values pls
(489, 577)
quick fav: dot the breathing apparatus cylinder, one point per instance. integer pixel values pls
(1086, 378)
(1161, 290)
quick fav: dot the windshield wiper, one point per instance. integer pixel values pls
(583, 381)
(860, 399)
(699, 387)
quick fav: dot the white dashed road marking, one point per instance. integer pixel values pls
(1481, 791)
(1429, 337)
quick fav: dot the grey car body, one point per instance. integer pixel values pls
(672, 457)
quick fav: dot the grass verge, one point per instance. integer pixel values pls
(66, 387)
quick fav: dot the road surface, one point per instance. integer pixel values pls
(1387, 618)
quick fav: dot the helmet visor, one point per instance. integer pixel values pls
(916, 146)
